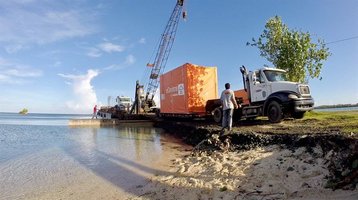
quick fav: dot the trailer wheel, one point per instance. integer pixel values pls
(217, 114)
(274, 112)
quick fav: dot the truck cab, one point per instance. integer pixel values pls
(123, 103)
(269, 91)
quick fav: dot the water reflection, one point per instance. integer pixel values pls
(132, 142)
(119, 155)
(50, 155)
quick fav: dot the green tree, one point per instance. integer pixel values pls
(291, 50)
(24, 111)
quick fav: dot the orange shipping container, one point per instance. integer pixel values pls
(186, 89)
(242, 94)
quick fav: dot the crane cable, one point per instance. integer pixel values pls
(148, 69)
(342, 40)
(184, 11)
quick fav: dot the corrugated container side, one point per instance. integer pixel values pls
(172, 91)
(202, 83)
(186, 89)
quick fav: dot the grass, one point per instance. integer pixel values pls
(346, 121)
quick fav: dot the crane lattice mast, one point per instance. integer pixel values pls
(164, 48)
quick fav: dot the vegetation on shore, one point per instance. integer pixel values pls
(291, 50)
(337, 106)
(344, 121)
(24, 111)
(314, 123)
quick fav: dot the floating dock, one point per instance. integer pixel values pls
(105, 122)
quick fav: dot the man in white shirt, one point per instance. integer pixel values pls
(228, 103)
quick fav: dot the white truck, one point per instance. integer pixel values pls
(123, 103)
(267, 93)
(122, 108)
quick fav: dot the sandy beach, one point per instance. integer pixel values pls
(261, 173)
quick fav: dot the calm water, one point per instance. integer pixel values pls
(39, 153)
(38, 119)
(337, 109)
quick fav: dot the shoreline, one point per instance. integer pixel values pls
(295, 159)
(299, 159)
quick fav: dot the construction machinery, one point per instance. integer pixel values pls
(144, 103)
(267, 92)
(191, 91)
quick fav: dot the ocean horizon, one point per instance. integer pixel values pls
(53, 119)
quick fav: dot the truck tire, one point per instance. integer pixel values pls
(274, 112)
(217, 115)
(298, 115)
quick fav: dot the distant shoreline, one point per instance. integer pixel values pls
(35, 113)
(79, 114)
(337, 106)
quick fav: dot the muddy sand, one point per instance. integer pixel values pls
(261, 173)
(258, 160)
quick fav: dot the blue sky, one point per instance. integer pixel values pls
(65, 56)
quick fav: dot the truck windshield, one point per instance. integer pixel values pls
(273, 76)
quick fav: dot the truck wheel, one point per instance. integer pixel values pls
(298, 115)
(274, 112)
(217, 115)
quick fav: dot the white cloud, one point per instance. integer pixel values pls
(104, 47)
(130, 60)
(23, 1)
(57, 64)
(14, 73)
(114, 67)
(84, 94)
(28, 22)
(3, 78)
(94, 53)
(142, 41)
(13, 48)
(110, 47)
(23, 72)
